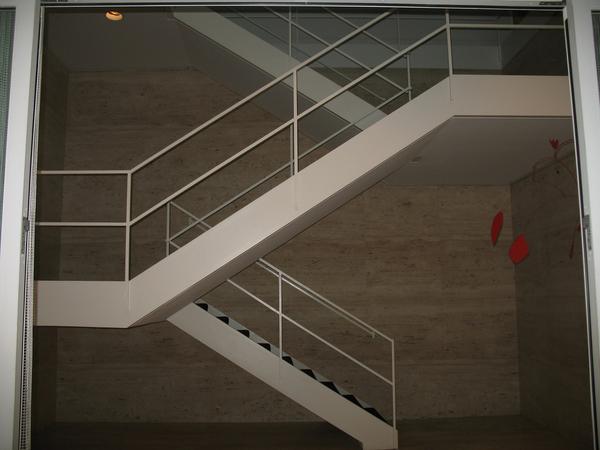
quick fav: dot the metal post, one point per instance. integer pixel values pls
(290, 32)
(393, 385)
(449, 42)
(295, 125)
(168, 237)
(408, 77)
(280, 315)
(128, 228)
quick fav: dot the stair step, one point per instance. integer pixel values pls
(288, 359)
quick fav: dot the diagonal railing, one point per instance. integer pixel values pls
(286, 279)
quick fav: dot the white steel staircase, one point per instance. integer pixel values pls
(173, 289)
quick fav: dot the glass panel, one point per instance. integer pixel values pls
(7, 19)
(509, 52)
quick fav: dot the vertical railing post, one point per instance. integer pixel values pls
(280, 289)
(168, 232)
(408, 77)
(295, 127)
(449, 43)
(290, 56)
(393, 385)
(128, 227)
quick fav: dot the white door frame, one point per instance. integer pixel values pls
(14, 208)
(586, 103)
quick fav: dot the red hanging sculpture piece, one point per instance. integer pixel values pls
(497, 227)
(519, 250)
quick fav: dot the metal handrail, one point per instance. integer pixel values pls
(282, 278)
(293, 121)
(273, 270)
(337, 50)
(259, 91)
(276, 36)
(287, 165)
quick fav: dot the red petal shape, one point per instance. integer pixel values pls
(497, 226)
(519, 250)
(554, 143)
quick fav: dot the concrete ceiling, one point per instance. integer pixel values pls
(482, 151)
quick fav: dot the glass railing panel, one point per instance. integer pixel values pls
(515, 17)
(318, 21)
(509, 52)
(428, 66)
(356, 17)
(264, 23)
(405, 27)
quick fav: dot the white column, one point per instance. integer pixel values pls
(14, 208)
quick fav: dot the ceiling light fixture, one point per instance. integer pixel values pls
(114, 15)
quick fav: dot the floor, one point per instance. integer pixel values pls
(492, 433)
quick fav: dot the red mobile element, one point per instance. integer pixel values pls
(519, 250)
(497, 226)
(555, 143)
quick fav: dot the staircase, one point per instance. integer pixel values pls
(286, 374)
(358, 144)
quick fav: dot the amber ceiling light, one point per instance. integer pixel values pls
(114, 15)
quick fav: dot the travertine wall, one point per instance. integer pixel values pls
(553, 354)
(415, 262)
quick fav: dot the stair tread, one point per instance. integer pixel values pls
(289, 359)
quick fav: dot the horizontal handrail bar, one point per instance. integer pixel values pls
(83, 172)
(276, 36)
(341, 52)
(303, 114)
(501, 26)
(259, 91)
(340, 351)
(81, 224)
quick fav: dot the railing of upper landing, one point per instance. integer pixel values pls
(301, 109)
